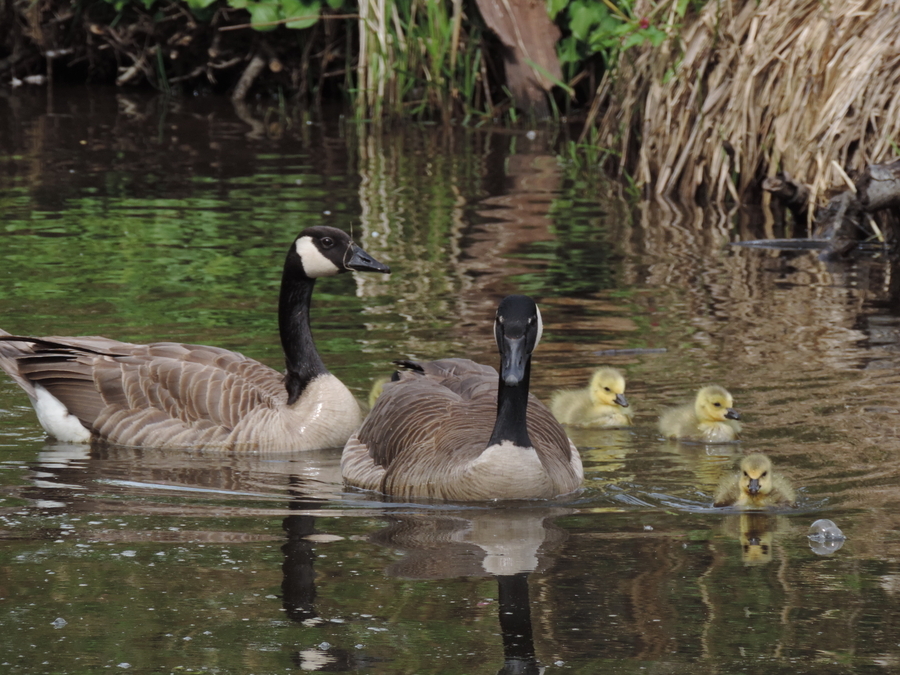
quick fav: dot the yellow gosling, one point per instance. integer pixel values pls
(757, 486)
(710, 419)
(601, 404)
(377, 388)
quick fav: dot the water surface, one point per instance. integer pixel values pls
(143, 219)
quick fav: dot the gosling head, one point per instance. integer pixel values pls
(756, 475)
(608, 387)
(714, 404)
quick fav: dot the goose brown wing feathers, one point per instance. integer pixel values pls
(417, 410)
(411, 410)
(129, 393)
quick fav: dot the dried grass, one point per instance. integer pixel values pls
(754, 88)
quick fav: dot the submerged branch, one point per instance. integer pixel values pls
(850, 216)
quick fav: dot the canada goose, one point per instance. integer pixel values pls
(171, 395)
(755, 487)
(709, 419)
(452, 429)
(601, 404)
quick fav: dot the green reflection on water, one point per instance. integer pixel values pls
(187, 243)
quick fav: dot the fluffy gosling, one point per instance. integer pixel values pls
(757, 486)
(602, 404)
(709, 419)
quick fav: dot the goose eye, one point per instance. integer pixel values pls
(608, 389)
(718, 405)
(326, 242)
(764, 474)
(745, 475)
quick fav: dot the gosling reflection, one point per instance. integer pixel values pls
(756, 539)
(757, 533)
(508, 544)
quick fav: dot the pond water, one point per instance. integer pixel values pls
(142, 218)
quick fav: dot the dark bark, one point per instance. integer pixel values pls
(530, 38)
(847, 217)
(791, 195)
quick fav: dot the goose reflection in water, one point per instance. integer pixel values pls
(506, 543)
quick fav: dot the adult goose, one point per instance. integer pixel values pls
(168, 395)
(453, 430)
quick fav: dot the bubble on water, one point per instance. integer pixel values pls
(59, 623)
(825, 537)
(129, 554)
(825, 530)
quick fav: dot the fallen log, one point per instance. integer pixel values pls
(851, 216)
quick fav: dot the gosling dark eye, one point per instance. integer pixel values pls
(745, 475)
(764, 474)
(326, 242)
(608, 389)
(718, 405)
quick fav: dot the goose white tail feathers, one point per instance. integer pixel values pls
(456, 430)
(177, 395)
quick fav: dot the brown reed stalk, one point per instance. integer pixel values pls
(748, 88)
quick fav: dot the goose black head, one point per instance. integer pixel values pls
(517, 330)
(323, 251)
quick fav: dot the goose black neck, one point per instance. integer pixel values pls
(512, 405)
(301, 358)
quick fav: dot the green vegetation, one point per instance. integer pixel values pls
(423, 59)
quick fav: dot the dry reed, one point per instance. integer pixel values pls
(746, 89)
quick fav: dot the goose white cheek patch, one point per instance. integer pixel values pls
(314, 263)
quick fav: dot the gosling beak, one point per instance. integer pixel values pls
(732, 414)
(621, 400)
(363, 262)
(513, 360)
(753, 488)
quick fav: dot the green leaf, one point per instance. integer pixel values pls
(554, 7)
(656, 36)
(582, 19)
(335, 4)
(306, 11)
(263, 13)
(567, 50)
(199, 4)
(634, 39)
